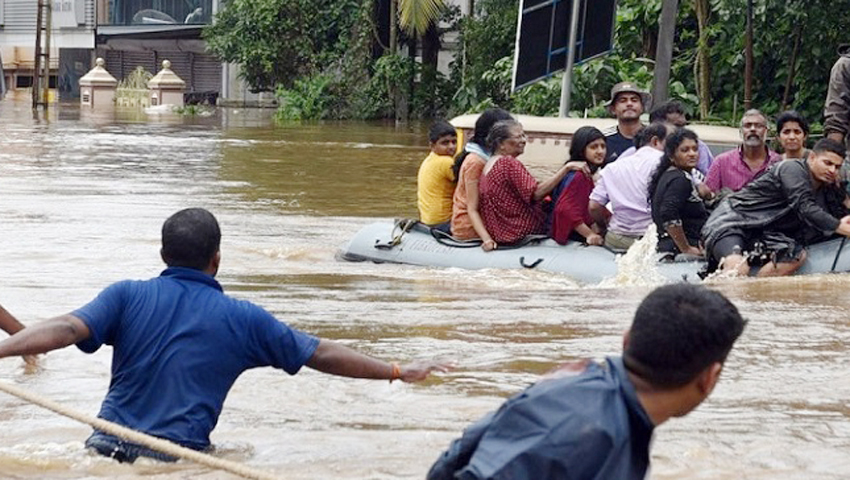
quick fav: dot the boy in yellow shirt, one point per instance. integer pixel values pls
(436, 181)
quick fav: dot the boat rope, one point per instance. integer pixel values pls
(838, 254)
(400, 227)
(448, 240)
(134, 436)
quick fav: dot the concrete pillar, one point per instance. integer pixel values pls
(166, 87)
(97, 88)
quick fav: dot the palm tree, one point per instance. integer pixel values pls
(417, 18)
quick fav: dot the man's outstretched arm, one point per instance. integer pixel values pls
(9, 323)
(43, 337)
(331, 357)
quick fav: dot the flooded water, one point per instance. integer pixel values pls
(82, 200)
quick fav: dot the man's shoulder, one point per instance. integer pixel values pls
(728, 155)
(132, 285)
(434, 157)
(792, 166)
(648, 153)
(611, 131)
(593, 380)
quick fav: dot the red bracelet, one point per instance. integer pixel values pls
(396, 373)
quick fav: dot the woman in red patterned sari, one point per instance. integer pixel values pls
(511, 198)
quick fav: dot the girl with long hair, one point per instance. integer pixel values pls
(570, 216)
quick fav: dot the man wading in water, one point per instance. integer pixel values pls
(180, 343)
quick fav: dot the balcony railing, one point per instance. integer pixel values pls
(159, 12)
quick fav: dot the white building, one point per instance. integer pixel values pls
(128, 34)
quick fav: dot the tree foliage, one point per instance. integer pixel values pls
(415, 16)
(776, 24)
(278, 41)
(325, 45)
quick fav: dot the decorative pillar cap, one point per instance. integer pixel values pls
(98, 76)
(166, 79)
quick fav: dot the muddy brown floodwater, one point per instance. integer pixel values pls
(82, 199)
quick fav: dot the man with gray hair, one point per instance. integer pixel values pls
(734, 169)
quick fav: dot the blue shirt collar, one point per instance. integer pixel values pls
(629, 392)
(192, 275)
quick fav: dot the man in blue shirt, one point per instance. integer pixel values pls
(180, 343)
(595, 421)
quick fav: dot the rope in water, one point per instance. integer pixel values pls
(137, 437)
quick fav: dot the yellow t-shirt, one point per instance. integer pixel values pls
(435, 188)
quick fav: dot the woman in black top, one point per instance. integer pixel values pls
(677, 209)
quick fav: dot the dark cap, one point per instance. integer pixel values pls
(629, 87)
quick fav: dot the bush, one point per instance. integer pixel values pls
(311, 98)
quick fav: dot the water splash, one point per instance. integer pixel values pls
(638, 266)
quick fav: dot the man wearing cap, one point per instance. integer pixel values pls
(627, 104)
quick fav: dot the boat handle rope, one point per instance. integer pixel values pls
(403, 226)
(530, 265)
(134, 436)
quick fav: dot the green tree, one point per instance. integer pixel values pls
(418, 19)
(485, 38)
(278, 41)
(417, 16)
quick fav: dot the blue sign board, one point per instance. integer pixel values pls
(543, 36)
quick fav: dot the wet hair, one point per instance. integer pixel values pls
(678, 331)
(500, 132)
(674, 140)
(659, 113)
(645, 135)
(190, 238)
(440, 129)
(791, 116)
(482, 128)
(830, 145)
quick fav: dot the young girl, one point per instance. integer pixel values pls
(570, 216)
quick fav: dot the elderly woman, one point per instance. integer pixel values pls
(510, 196)
(677, 209)
(570, 216)
(466, 222)
(793, 131)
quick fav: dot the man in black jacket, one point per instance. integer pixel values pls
(770, 221)
(589, 420)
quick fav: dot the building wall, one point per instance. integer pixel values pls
(74, 21)
(73, 25)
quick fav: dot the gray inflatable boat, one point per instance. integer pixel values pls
(411, 243)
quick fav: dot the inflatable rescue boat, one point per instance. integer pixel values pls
(409, 242)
